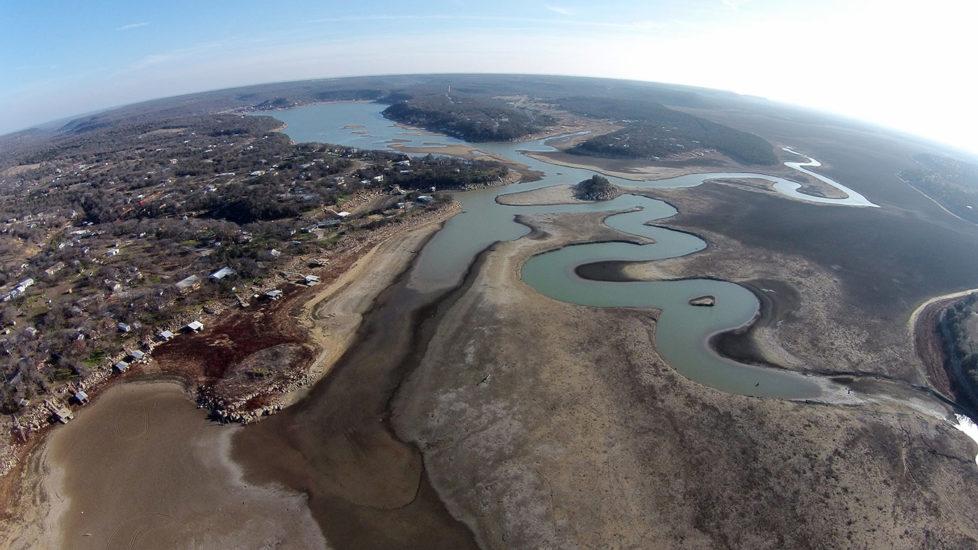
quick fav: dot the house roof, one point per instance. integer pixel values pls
(222, 273)
(188, 281)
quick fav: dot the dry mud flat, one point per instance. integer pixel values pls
(842, 282)
(545, 424)
(144, 469)
(554, 194)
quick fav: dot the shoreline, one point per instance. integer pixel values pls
(343, 304)
(346, 299)
(928, 343)
(653, 173)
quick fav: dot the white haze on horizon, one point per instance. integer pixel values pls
(880, 62)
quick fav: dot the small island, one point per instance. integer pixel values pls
(703, 301)
(596, 188)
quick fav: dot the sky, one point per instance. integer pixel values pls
(901, 64)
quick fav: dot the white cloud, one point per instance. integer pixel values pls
(734, 4)
(151, 60)
(132, 26)
(559, 9)
(639, 25)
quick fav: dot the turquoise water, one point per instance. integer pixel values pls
(682, 331)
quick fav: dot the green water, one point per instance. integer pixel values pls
(682, 331)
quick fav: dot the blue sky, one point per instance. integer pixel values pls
(898, 63)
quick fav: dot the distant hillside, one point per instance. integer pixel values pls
(950, 182)
(653, 131)
(472, 118)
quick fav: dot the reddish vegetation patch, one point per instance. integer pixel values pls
(206, 357)
(208, 360)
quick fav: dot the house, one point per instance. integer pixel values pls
(80, 397)
(188, 284)
(20, 289)
(195, 326)
(310, 280)
(124, 328)
(58, 413)
(137, 356)
(165, 335)
(112, 252)
(220, 274)
(120, 367)
(54, 268)
(274, 253)
(274, 294)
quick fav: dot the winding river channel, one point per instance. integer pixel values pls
(683, 330)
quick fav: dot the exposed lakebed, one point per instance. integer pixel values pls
(683, 329)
